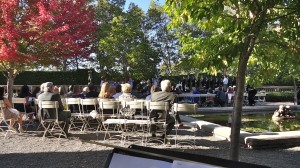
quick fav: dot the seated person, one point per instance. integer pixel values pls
(166, 96)
(50, 113)
(25, 93)
(92, 93)
(220, 97)
(126, 92)
(196, 99)
(210, 98)
(153, 89)
(118, 91)
(10, 113)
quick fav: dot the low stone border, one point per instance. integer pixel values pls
(250, 140)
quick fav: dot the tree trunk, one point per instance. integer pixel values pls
(246, 51)
(10, 83)
(237, 109)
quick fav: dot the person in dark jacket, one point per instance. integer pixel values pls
(166, 96)
(50, 113)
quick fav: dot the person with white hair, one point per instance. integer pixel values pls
(48, 94)
(126, 92)
(166, 96)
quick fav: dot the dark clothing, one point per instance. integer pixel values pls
(155, 115)
(50, 113)
(91, 94)
(220, 98)
(183, 83)
(251, 96)
(298, 98)
(20, 107)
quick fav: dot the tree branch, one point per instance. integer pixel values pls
(279, 17)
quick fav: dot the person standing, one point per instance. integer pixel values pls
(225, 82)
(183, 84)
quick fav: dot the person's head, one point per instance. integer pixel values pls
(71, 87)
(85, 89)
(24, 91)
(91, 87)
(104, 92)
(76, 89)
(126, 88)
(43, 85)
(62, 90)
(165, 85)
(154, 88)
(118, 88)
(55, 90)
(48, 87)
(112, 90)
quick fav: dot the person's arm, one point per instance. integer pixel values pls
(7, 103)
(56, 97)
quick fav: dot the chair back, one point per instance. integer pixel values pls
(21, 102)
(162, 108)
(184, 108)
(73, 104)
(49, 105)
(109, 107)
(89, 104)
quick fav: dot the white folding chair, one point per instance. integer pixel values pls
(74, 106)
(162, 110)
(88, 105)
(26, 114)
(4, 121)
(181, 108)
(137, 126)
(52, 126)
(112, 121)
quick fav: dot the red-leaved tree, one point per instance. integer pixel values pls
(43, 32)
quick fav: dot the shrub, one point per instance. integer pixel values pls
(280, 96)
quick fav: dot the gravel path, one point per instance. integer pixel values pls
(29, 150)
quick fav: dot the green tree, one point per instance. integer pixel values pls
(239, 32)
(124, 49)
(162, 40)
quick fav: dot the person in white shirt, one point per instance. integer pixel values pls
(225, 82)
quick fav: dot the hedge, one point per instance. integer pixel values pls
(280, 97)
(79, 77)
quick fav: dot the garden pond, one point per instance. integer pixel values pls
(255, 123)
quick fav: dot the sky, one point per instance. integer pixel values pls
(144, 4)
